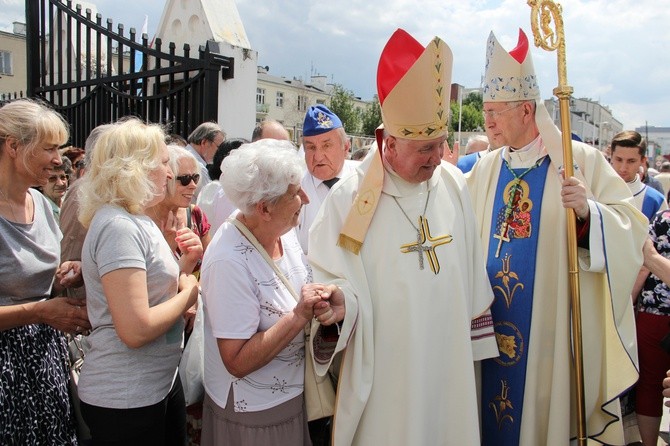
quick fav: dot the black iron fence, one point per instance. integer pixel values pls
(94, 75)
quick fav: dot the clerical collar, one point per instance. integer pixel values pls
(526, 156)
(636, 186)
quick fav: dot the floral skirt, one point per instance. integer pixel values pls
(35, 406)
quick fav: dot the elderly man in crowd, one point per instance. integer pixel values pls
(326, 147)
(477, 146)
(57, 186)
(519, 196)
(270, 129)
(399, 238)
(203, 143)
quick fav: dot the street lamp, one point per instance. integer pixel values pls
(460, 117)
(600, 134)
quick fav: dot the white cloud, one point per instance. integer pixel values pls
(616, 49)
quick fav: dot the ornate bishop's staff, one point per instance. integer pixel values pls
(543, 12)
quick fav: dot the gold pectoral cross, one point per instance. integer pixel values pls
(419, 246)
(502, 237)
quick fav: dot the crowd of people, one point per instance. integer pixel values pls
(431, 293)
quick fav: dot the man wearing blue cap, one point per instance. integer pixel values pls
(326, 147)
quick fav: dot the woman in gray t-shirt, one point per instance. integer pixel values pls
(34, 403)
(129, 389)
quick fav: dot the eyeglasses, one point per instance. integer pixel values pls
(490, 114)
(62, 177)
(185, 180)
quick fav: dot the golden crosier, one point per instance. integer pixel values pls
(543, 14)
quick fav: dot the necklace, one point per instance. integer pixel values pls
(11, 207)
(425, 206)
(509, 206)
(422, 235)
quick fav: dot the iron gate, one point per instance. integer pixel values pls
(94, 75)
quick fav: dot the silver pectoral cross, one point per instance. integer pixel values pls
(417, 247)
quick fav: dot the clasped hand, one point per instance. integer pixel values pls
(325, 303)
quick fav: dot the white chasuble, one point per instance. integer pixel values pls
(607, 271)
(408, 375)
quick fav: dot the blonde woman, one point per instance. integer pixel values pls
(34, 402)
(136, 294)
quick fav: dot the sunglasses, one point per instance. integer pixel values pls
(185, 180)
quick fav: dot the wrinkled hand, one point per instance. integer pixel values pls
(310, 295)
(65, 314)
(189, 244)
(573, 194)
(331, 309)
(69, 275)
(666, 388)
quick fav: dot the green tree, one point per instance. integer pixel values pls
(342, 104)
(475, 99)
(372, 117)
(471, 118)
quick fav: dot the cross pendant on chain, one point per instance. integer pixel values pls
(419, 248)
(502, 237)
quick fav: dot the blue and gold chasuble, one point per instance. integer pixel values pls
(511, 263)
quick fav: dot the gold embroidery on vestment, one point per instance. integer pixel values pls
(507, 275)
(501, 404)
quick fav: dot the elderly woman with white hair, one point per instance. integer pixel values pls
(136, 294)
(254, 320)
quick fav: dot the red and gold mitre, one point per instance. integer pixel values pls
(413, 85)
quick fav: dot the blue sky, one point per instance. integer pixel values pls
(617, 50)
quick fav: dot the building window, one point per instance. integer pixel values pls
(280, 99)
(260, 96)
(302, 103)
(6, 62)
(321, 101)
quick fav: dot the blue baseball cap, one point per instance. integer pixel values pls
(319, 119)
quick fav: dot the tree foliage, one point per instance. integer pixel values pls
(474, 99)
(371, 117)
(342, 104)
(471, 118)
